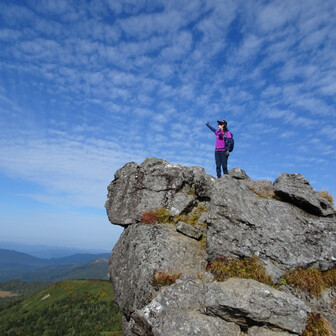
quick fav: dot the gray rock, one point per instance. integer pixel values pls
(178, 310)
(143, 249)
(325, 304)
(243, 224)
(201, 228)
(188, 230)
(181, 203)
(257, 331)
(152, 185)
(262, 188)
(127, 327)
(247, 302)
(294, 188)
(203, 218)
(238, 174)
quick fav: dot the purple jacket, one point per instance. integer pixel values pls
(221, 144)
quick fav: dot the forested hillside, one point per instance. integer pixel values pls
(74, 307)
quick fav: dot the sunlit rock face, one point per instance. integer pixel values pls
(155, 184)
(243, 223)
(286, 224)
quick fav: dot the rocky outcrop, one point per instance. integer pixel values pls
(295, 189)
(241, 223)
(155, 184)
(286, 224)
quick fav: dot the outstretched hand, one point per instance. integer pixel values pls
(207, 123)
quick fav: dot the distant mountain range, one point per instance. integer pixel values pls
(18, 265)
(46, 251)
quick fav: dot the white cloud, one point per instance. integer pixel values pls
(180, 47)
(146, 25)
(52, 7)
(250, 46)
(276, 14)
(132, 7)
(13, 14)
(315, 39)
(288, 134)
(329, 131)
(41, 49)
(9, 34)
(214, 26)
(70, 170)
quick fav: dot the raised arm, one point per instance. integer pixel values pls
(212, 129)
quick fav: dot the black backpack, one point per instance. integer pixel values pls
(229, 142)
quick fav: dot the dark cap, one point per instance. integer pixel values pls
(221, 122)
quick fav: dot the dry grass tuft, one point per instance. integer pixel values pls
(326, 194)
(311, 280)
(162, 215)
(317, 326)
(263, 193)
(248, 268)
(157, 216)
(149, 218)
(193, 217)
(204, 242)
(329, 278)
(164, 279)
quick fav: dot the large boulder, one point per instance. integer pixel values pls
(248, 302)
(243, 224)
(143, 249)
(295, 189)
(179, 310)
(152, 185)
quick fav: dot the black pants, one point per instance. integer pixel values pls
(221, 162)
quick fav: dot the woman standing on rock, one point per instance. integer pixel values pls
(224, 144)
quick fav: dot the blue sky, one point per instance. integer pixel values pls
(87, 86)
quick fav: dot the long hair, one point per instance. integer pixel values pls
(225, 126)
